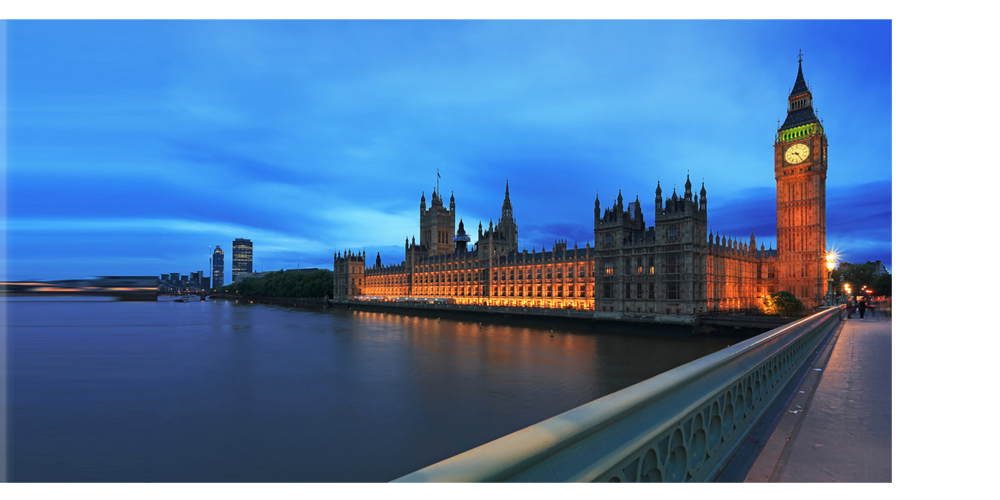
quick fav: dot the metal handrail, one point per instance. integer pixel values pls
(682, 425)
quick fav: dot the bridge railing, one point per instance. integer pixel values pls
(682, 425)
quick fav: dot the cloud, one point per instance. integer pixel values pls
(311, 136)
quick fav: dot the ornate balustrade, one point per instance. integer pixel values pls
(682, 425)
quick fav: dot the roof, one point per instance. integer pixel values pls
(799, 117)
(800, 86)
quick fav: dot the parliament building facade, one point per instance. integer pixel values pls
(673, 269)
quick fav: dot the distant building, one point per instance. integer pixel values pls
(175, 276)
(242, 257)
(198, 278)
(880, 268)
(218, 267)
(877, 266)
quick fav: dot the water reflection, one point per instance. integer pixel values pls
(222, 391)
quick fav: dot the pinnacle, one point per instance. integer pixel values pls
(800, 86)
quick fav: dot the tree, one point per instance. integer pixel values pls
(859, 276)
(289, 284)
(781, 304)
(882, 285)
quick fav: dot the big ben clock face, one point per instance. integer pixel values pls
(797, 153)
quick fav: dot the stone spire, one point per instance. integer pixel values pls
(800, 108)
(507, 210)
(800, 86)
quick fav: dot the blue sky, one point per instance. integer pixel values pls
(136, 147)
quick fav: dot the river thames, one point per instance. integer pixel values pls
(219, 391)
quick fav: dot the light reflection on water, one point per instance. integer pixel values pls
(220, 391)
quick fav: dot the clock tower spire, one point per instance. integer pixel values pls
(800, 175)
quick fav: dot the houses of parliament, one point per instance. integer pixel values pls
(672, 269)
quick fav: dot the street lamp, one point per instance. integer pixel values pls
(830, 264)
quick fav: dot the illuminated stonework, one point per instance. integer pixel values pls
(674, 268)
(492, 273)
(801, 186)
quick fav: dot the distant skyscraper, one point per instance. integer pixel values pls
(242, 257)
(218, 267)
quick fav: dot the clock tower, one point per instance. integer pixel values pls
(800, 173)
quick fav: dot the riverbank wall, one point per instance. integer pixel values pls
(713, 326)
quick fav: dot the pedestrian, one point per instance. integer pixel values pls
(861, 308)
(851, 306)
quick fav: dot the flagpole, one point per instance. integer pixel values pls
(439, 182)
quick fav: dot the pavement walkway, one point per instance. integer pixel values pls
(838, 428)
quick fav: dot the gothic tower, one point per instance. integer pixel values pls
(508, 225)
(437, 224)
(800, 173)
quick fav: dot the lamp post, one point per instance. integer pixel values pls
(830, 264)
